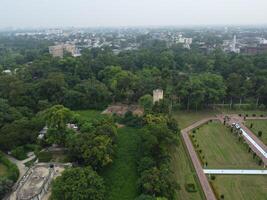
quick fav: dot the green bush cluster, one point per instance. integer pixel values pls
(44, 156)
(6, 182)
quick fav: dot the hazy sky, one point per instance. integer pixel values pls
(43, 13)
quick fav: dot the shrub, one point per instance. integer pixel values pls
(190, 187)
(5, 186)
(13, 172)
(44, 156)
(239, 115)
(145, 197)
(213, 177)
(222, 196)
(260, 162)
(262, 107)
(260, 133)
(254, 115)
(19, 153)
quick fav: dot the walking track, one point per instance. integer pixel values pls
(197, 164)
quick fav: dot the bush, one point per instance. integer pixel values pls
(145, 197)
(5, 186)
(262, 107)
(44, 156)
(260, 162)
(19, 153)
(260, 133)
(190, 187)
(213, 177)
(254, 115)
(13, 171)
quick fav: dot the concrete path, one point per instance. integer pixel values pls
(196, 162)
(236, 171)
(29, 159)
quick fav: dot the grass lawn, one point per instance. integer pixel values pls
(3, 170)
(121, 177)
(250, 113)
(184, 173)
(222, 149)
(91, 114)
(186, 118)
(245, 187)
(259, 125)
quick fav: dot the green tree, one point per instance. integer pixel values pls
(146, 102)
(5, 186)
(79, 184)
(57, 117)
(91, 149)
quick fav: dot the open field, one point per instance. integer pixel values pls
(184, 173)
(245, 187)
(259, 125)
(91, 114)
(222, 149)
(186, 118)
(3, 170)
(121, 177)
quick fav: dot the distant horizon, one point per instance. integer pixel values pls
(138, 26)
(125, 13)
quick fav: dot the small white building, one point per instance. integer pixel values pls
(7, 71)
(157, 95)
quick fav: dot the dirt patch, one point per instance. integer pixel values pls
(121, 109)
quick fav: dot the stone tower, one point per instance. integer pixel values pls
(157, 95)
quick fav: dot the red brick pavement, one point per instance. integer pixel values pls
(197, 164)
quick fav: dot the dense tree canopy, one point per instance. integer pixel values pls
(78, 183)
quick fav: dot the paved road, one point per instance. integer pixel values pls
(197, 164)
(236, 171)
